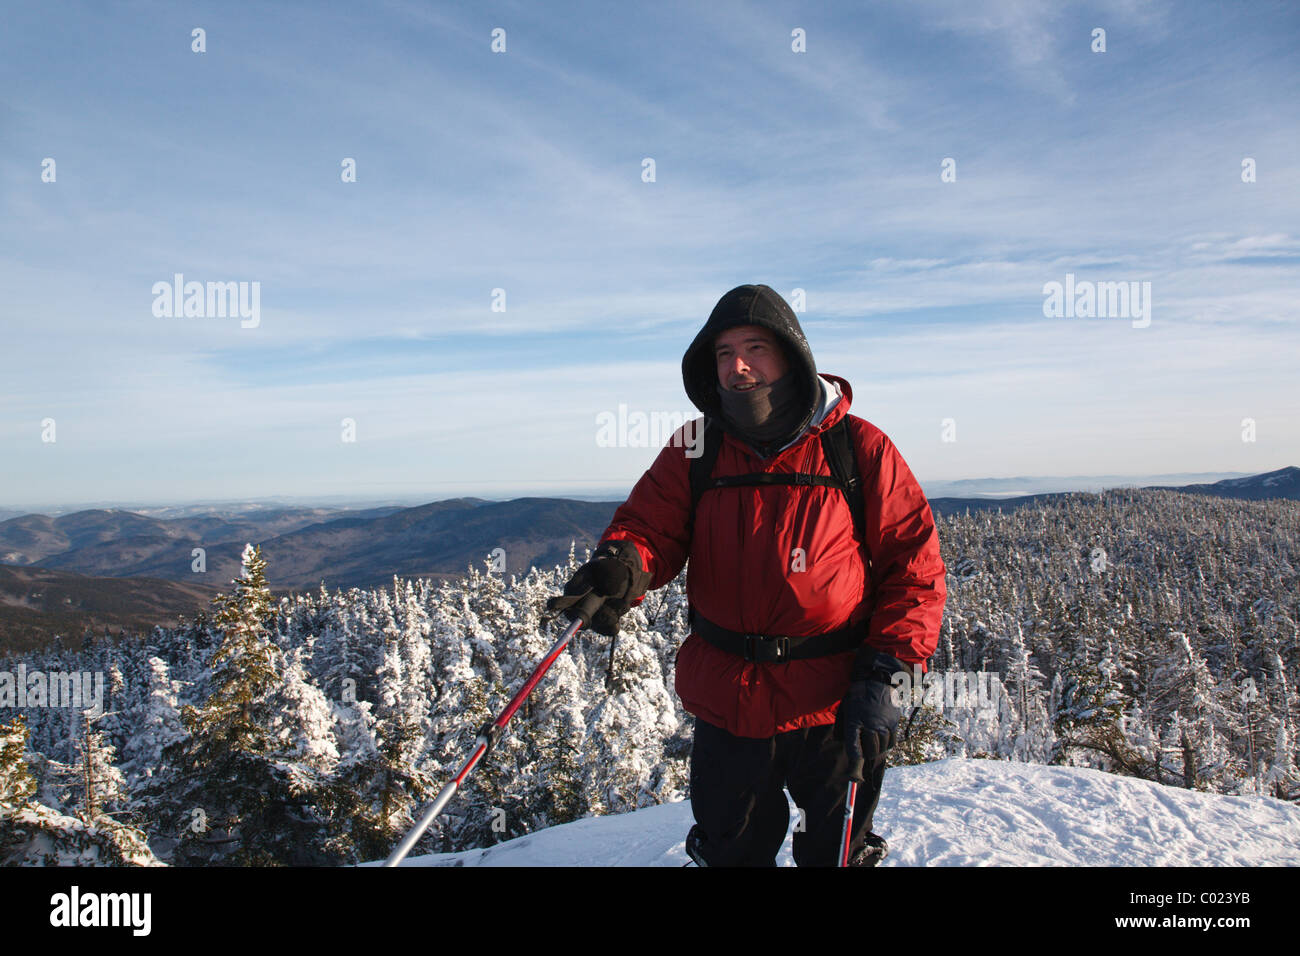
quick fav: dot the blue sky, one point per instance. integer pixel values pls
(522, 171)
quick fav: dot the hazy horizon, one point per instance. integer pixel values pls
(965, 487)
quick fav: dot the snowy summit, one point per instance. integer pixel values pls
(969, 812)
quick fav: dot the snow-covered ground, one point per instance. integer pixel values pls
(962, 812)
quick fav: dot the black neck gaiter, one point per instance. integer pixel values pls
(765, 414)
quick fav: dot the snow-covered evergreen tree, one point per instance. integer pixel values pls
(247, 800)
(16, 782)
(155, 723)
(34, 834)
(1087, 712)
(97, 788)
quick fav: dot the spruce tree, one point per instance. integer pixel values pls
(1087, 712)
(16, 782)
(98, 783)
(924, 734)
(361, 827)
(246, 797)
(33, 834)
(155, 723)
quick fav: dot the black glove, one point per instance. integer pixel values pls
(613, 573)
(867, 720)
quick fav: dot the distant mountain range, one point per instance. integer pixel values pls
(304, 547)
(68, 563)
(1283, 483)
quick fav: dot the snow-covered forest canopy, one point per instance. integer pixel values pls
(1147, 633)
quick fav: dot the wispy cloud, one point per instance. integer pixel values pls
(523, 172)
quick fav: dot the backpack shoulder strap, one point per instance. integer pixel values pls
(838, 449)
(837, 446)
(702, 466)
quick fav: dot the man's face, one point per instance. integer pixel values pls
(748, 356)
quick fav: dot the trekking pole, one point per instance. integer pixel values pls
(848, 822)
(489, 732)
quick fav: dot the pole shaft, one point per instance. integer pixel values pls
(847, 839)
(538, 673)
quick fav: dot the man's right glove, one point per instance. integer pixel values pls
(613, 573)
(867, 720)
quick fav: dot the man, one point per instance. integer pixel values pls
(807, 593)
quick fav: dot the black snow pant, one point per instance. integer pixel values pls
(741, 812)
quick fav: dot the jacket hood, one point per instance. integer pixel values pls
(831, 393)
(751, 305)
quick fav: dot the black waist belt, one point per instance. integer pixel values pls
(769, 648)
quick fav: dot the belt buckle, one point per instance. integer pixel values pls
(782, 645)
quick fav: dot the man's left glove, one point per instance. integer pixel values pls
(867, 720)
(613, 573)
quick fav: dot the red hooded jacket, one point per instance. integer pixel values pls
(777, 559)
